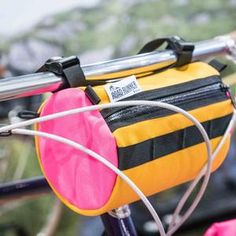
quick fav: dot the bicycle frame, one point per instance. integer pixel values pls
(117, 222)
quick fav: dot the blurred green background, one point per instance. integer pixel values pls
(108, 29)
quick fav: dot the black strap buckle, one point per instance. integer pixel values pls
(182, 49)
(67, 67)
(27, 115)
(5, 133)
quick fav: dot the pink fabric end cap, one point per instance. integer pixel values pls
(77, 177)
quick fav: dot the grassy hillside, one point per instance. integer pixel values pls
(109, 30)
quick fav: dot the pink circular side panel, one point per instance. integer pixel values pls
(77, 177)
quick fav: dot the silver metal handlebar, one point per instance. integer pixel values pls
(39, 83)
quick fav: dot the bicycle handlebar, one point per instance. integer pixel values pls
(38, 83)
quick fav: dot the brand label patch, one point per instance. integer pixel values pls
(124, 88)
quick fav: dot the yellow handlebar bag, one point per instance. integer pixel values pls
(156, 148)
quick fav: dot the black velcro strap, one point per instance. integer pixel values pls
(69, 68)
(182, 49)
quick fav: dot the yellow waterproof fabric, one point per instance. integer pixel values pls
(166, 78)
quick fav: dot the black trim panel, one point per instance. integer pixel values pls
(151, 149)
(166, 92)
(137, 115)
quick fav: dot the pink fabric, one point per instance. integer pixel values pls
(226, 228)
(77, 177)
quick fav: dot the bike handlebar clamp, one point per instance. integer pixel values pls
(68, 68)
(181, 48)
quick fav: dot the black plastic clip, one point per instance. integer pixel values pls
(67, 67)
(182, 49)
(5, 133)
(226, 88)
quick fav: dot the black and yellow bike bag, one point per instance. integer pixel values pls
(156, 148)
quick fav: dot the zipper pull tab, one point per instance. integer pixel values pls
(225, 88)
(27, 115)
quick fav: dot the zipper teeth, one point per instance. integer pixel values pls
(175, 99)
(196, 93)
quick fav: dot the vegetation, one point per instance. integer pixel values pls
(109, 30)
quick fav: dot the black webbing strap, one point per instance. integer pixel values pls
(182, 49)
(68, 68)
(217, 65)
(91, 94)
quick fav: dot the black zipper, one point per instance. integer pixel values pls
(188, 99)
